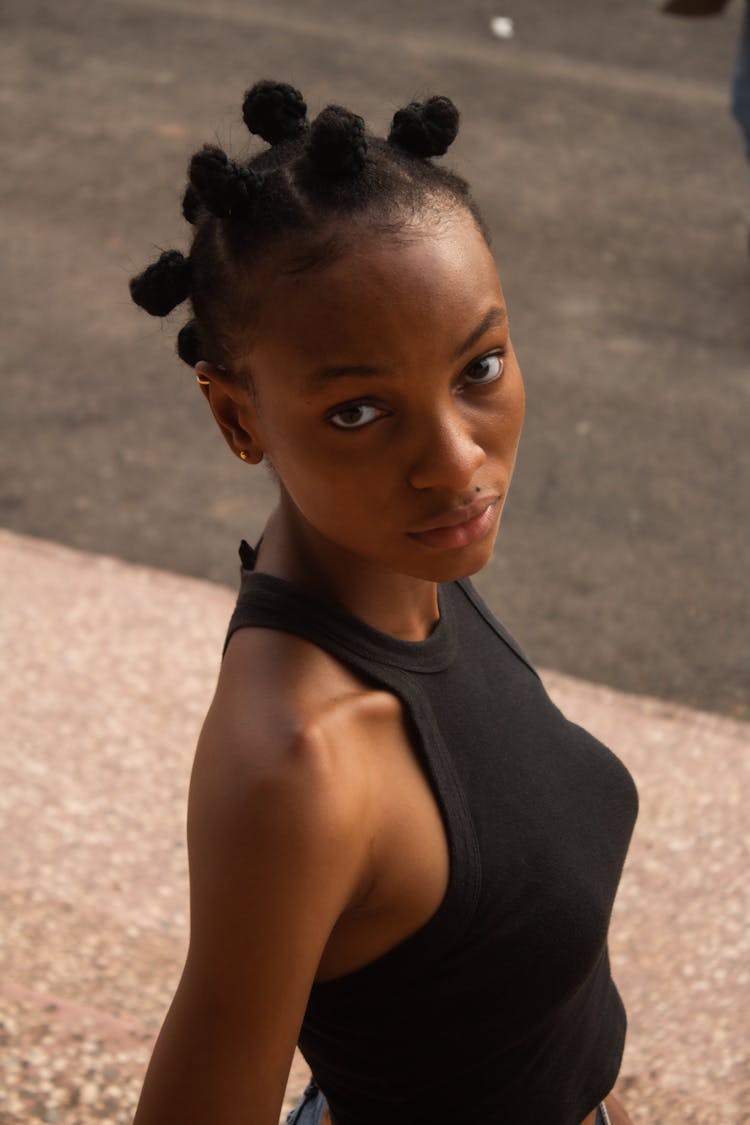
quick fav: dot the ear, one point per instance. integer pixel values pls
(234, 410)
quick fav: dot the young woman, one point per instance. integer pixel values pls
(402, 856)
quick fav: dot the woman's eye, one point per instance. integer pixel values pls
(486, 369)
(355, 416)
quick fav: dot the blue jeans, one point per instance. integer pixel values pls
(310, 1109)
(741, 82)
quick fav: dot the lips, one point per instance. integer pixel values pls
(460, 526)
(455, 516)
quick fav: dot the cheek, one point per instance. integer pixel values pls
(516, 405)
(520, 404)
(312, 464)
(502, 428)
(330, 483)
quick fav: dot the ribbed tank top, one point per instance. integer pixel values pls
(501, 1009)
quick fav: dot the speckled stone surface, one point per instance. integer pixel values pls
(107, 672)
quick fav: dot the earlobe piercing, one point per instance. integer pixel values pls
(203, 382)
(244, 454)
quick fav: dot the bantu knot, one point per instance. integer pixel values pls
(224, 187)
(425, 128)
(338, 146)
(163, 285)
(188, 344)
(191, 205)
(274, 111)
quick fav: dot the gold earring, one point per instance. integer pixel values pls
(203, 382)
(244, 454)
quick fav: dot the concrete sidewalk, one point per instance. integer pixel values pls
(108, 670)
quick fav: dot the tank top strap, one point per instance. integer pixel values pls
(488, 616)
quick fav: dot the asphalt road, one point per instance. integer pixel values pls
(599, 143)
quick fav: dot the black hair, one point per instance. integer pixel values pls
(294, 194)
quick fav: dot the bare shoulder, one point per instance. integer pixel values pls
(275, 686)
(282, 763)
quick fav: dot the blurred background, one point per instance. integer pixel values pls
(599, 143)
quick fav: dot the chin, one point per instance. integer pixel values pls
(448, 566)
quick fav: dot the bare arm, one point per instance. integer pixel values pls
(275, 857)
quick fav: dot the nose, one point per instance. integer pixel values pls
(448, 454)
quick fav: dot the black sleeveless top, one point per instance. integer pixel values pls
(502, 1003)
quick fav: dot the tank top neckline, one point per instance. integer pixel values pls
(295, 605)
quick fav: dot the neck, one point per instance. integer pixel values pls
(398, 604)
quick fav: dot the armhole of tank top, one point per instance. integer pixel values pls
(462, 893)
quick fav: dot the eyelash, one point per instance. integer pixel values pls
(498, 354)
(353, 406)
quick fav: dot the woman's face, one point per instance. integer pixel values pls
(389, 400)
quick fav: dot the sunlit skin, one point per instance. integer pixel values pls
(421, 418)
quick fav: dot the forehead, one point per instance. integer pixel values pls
(379, 298)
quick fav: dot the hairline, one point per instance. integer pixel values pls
(338, 236)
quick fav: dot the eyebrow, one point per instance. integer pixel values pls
(494, 318)
(318, 380)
